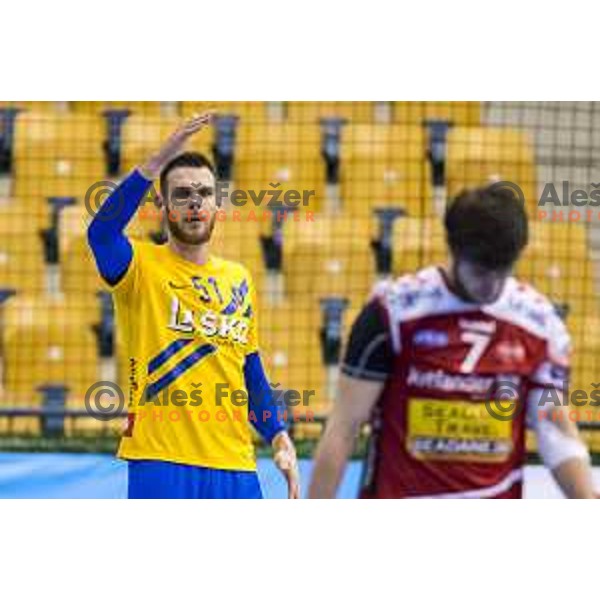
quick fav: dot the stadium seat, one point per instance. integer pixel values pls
(78, 268)
(147, 108)
(585, 335)
(328, 257)
(143, 135)
(418, 243)
(291, 347)
(284, 154)
(384, 165)
(478, 156)
(57, 155)
(74, 221)
(458, 113)
(237, 238)
(49, 341)
(312, 112)
(333, 255)
(247, 112)
(37, 106)
(22, 263)
(558, 263)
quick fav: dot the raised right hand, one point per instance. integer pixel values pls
(175, 144)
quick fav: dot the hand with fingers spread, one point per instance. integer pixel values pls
(175, 144)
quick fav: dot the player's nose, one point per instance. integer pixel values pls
(195, 202)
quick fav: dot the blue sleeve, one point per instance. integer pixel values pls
(269, 421)
(106, 233)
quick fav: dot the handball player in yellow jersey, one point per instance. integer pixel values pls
(188, 324)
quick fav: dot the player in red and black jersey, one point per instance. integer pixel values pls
(431, 354)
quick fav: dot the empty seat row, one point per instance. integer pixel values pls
(50, 343)
(321, 254)
(380, 165)
(459, 113)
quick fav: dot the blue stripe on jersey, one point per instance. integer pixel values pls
(162, 357)
(180, 368)
(238, 295)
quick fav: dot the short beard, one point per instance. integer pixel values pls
(191, 239)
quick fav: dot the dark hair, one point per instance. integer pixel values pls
(186, 159)
(487, 226)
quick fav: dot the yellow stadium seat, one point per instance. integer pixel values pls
(40, 309)
(585, 334)
(148, 108)
(144, 135)
(328, 257)
(75, 220)
(49, 341)
(37, 106)
(247, 112)
(291, 348)
(47, 136)
(479, 156)
(57, 155)
(332, 256)
(236, 237)
(458, 113)
(558, 263)
(385, 165)
(78, 269)
(418, 243)
(313, 112)
(283, 157)
(22, 263)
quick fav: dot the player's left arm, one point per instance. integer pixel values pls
(559, 443)
(269, 420)
(560, 446)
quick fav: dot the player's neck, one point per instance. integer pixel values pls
(195, 253)
(452, 283)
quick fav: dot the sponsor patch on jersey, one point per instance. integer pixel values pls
(510, 352)
(455, 431)
(431, 338)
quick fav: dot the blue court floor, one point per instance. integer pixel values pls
(24, 475)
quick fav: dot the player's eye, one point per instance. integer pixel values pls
(181, 193)
(207, 192)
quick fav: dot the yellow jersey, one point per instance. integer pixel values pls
(186, 330)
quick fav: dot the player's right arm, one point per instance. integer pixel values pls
(353, 406)
(106, 234)
(366, 366)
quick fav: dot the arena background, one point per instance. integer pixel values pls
(381, 173)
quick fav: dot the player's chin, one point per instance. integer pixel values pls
(194, 233)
